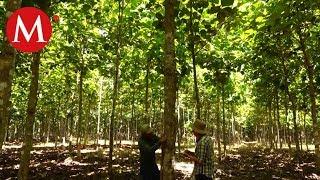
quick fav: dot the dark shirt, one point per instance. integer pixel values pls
(148, 166)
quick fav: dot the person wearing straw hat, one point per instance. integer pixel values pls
(203, 156)
(148, 144)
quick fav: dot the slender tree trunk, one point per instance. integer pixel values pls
(296, 131)
(270, 134)
(31, 112)
(170, 93)
(233, 125)
(115, 87)
(179, 123)
(7, 64)
(264, 135)
(291, 98)
(278, 122)
(305, 129)
(146, 101)
(275, 123)
(99, 110)
(80, 113)
(300, 132)
(287, 122)
(312, 93)
(182, 123)
(48, 126)
(86, 123)
(132, 112)
(194, 66)
(71, 125)
(224, 122)
(218, 128)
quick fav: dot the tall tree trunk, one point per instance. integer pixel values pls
(194, 66)
(99, 110)
(146, 101)
(218, 128)
(224, 122)
(115, 87)
(278, 121)
(179, 122)
(170, 93)
(312, 93)
(80, 113)
(291, 99)
(270, 134)
(300, 132)
(275, 123)
(31, 112)
(132, 113)
(7, 64)
(86, 123)
(296, 131)
(304, 129)
(233, 121)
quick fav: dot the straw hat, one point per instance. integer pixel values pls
(145, 129)
(199, 127)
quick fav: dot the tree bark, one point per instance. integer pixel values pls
(79, 125)
(31, 111)
(146, 101)
(224, 122)
(218, 127)
(280, 135)
(179, 124)
(170, 93)
(7, 66)
(270, 134)
(305, 129)
(312, 93)
(99, 110)
(115, 87)
(132, 114)
(194, 65)
(296, 131)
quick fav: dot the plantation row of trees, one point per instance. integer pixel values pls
(249, 68)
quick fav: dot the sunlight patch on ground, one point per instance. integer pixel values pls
(185, 168)
(11, 146)
(313, 176)
(91, 173)
(83, 151)
(16, 166)
(70, 162)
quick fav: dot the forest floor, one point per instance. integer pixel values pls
(241, 163)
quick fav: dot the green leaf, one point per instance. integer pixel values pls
(215, 1)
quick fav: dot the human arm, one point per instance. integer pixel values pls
(191, 156)
(151, 146)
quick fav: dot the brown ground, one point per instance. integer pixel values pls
(245, 163)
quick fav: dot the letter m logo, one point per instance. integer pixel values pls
(20, 26)
(28, 29)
